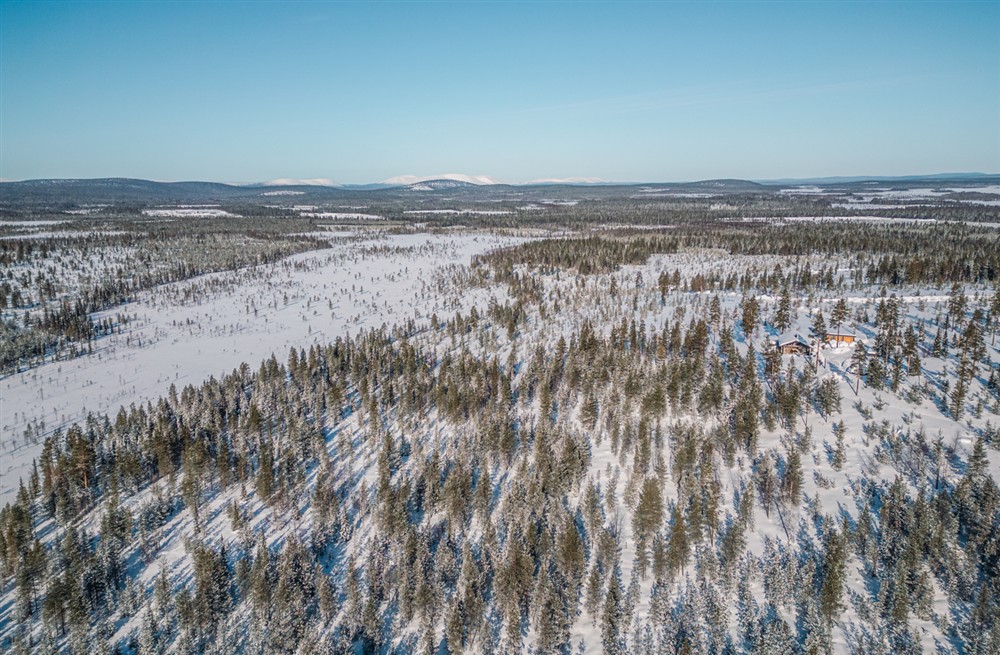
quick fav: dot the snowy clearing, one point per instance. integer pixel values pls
(185, 332)
(188, 212)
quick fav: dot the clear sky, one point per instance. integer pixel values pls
(357, 92)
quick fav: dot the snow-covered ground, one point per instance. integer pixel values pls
(188, 212)
(483, 212)
(284, 192)
(183, 333)
(345, 215)
(60, 234)
(834, 219)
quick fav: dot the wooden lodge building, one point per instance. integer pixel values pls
(792, 344)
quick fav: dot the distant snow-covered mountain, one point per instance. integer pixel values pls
(407, 180)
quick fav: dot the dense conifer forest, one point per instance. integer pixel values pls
(584, 438)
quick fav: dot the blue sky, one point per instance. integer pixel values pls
(357, 92)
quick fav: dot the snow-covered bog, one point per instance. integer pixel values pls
(183, 333)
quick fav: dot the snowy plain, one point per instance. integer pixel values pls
(183, 333)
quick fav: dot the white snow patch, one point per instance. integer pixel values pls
(345, 216)
(283, 192)
(483, 212)
(457, 177)
(199, 212)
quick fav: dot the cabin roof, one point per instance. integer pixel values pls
(789, 338)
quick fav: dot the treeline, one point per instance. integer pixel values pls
(585, 255)
(889, 255)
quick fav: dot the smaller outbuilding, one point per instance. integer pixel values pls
(841, 335)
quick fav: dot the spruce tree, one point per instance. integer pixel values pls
(858, 360)
(839, 314)
(819, 328)
(783, 317)
(834, 571)
(839, 452)
(613, 627)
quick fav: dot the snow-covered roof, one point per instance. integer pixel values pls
(786, 338)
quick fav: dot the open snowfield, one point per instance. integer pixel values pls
(480, 212)
(30, 224)
(59, 234)
(188, 212)
(838, 219)
(185, 332)
(345, 216)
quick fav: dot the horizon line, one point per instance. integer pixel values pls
(568, 181)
